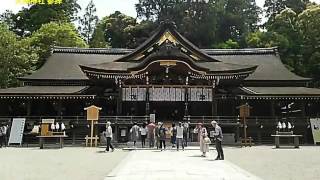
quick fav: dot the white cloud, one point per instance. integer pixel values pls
(10, 5)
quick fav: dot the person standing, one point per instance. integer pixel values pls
(180, 136)
(173, 133)
(108, 135)
(151, 134)
(1, 136)
(157, 133)
(202, 134)
(134, 133)
(218, 140)
(185, 134)
(162, 137)
(5, 135)
(143, 131)
(204, 146)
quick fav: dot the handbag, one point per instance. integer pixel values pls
(207, 140)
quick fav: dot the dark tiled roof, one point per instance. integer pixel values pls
(113, 66)
(245, 51)
(120, 51)
(269, 68)
(65, 66)
(224, 67)
(50, 90)
(281, 91)
(64, 63)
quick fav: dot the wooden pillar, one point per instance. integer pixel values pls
(233, 107)
(147, 102)
(214, 102)
(116, 132)
(186, 103)
(272, 106)
(147, 96)
(119, 101)
(59, 110)
(303, 108)
(28, 104)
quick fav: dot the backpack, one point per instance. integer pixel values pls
(162, 132)
(174, 131)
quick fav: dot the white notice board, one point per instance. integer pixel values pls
(16, 132)
(315, 128)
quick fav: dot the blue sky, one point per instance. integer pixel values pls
(104, 7)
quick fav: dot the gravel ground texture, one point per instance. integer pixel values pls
(270, 163)
(79, 163)
(69, 163)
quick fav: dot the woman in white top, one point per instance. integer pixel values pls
(143, 131)
(203, 135)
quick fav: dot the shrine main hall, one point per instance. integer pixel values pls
(167, 76)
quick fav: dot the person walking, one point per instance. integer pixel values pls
(108, 135)
(173, 135)
(180, 136)
(143, 131)
(151, 134)
(134, 133)
(218, 140)
(162, 137)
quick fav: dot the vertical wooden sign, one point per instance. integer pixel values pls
(92, 115)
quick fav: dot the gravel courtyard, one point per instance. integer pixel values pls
(69, 163)
(269, 163)
(78, 163)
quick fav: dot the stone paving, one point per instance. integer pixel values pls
(173, 165)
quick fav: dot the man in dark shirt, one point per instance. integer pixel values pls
(218, 140)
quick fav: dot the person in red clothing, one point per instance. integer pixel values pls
(151, 134)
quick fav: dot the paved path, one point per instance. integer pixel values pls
(182, 165)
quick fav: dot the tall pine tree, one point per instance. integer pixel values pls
(88, 22)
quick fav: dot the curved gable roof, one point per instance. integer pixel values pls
(270, 67)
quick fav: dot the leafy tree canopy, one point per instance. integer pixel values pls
(30, 19)
(16, 57)
(55, 34)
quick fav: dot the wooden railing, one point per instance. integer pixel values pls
(226, 120)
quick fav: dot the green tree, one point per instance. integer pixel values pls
(261, 39)
(229, 44)
(240, 17)
(30, 19)
(187, 15)
(308, 23)
(55, 34)
(88, 21)
(7, 18)
(274, 7)
(204, 22)
(16, 57)
(117, 28)
(98, 38)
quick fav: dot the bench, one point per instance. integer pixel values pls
(42, 140)
(289, 134)
(246, 142)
